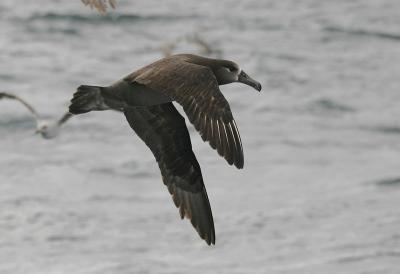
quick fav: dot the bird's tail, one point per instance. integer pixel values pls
(87, 98)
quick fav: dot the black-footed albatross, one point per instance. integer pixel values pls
(146, 96)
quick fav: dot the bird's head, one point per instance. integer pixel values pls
(229, 72)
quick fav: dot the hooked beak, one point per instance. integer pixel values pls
(245, 79)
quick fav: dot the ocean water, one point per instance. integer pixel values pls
(320, 191)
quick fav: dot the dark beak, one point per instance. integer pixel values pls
(245, 79)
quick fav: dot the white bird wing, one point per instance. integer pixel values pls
(15, 97)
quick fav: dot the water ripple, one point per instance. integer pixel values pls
(363, 257)
(329, 105)
(385, 129)
(95, 19)
(65, 238)
(361, 32)
(389, 182)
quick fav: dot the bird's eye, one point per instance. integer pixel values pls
(231, 69)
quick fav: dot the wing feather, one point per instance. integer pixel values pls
(100, 5)
(23, 102)
(196, 89)
(164, 131)
(64, 118)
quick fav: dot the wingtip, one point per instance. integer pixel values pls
(210, 239)
(239, 165)
(210, 243)
(6, 95)
(239, 161)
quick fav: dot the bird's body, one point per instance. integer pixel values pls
(51, 129)
(145, 97)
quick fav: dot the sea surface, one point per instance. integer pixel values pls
(320, 191)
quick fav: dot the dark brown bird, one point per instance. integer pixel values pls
(145, 97)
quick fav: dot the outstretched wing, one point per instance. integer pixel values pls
(196, 89)
(164, 131)
(15, 97)
(64, 118)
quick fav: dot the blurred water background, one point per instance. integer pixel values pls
(320, 191)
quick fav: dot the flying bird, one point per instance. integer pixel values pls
(47, 129)
(146, 95)
(100, 5)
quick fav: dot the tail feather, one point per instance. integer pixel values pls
(87, 98)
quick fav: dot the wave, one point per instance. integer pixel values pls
(363, 257)
(73, 31)
(7, 77)
(388, 182)
(115, 198)
(386, 129)
(329, 105)
(28, 200)
(362, 32)
(18, 123)
(95, 19)
(65, 238)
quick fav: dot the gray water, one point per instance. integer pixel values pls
(320, 191)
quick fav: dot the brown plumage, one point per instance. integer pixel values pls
(145, 97)
(100, 5)
(164, 131)
(195, 87)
